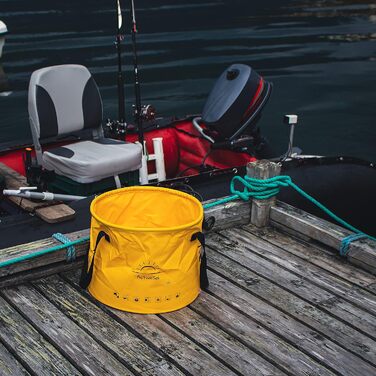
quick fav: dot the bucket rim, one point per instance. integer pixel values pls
(149, 229)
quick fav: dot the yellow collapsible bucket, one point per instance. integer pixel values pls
(145, 250)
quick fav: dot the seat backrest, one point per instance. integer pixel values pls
(63, 99)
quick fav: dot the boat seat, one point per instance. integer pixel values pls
(65, 99)
(90, 161)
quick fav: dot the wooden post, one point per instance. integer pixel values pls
(260, 210)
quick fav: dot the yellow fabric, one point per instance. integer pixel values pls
(150, 264)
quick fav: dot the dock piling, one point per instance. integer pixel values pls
(260, 210)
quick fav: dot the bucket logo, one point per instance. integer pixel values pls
(147, 270)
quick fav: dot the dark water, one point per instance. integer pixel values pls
(320, 55)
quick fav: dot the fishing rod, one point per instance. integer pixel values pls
(141, 113)
(137, 90)
(119, 126)
(120, 79)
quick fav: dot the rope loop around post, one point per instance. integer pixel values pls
(71, 250)
(257, 188)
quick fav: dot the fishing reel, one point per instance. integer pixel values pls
(116, 127)
(147, 112)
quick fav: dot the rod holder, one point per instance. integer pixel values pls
(291, 120)
(158, 157)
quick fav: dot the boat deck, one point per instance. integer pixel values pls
(276, 305)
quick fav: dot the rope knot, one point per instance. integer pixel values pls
(258, 188)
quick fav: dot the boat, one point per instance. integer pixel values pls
(3, 32)
(199, 153)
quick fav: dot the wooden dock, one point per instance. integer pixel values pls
(276, 305)
(281, 301)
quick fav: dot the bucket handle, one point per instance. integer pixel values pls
(204, 281)
(87, 273)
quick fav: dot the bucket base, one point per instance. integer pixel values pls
(169, 302)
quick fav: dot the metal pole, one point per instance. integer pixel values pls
(45, 196)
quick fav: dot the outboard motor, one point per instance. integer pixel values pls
(233, 107)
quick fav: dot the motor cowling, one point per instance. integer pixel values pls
(235, 102)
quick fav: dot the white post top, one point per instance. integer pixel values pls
(291, 119)
(3, 28)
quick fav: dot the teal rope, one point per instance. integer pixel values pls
(345, 245)
(43, 252)
(71, 250)
(253, 188)
(267, 188)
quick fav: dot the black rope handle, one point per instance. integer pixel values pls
(204, 281)
(86, 275)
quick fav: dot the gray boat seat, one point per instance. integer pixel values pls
(90, 161)
(64, 99)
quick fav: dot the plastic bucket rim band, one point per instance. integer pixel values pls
(148, 229)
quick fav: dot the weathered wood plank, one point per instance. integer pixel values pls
(31, 348)
(263, 279)
(248, 331)
(358, 296)
(361, 252)
(225, 347)
(56, 213)
(304, 338)
(113, 336)
(76, 345)
(39, 272)
(289, 231)
(174, 345)
(9, 366)
(11, 253)
(325, 258)
(234, 213)
(326, 300)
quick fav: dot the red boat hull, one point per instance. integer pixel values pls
(184, 151)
